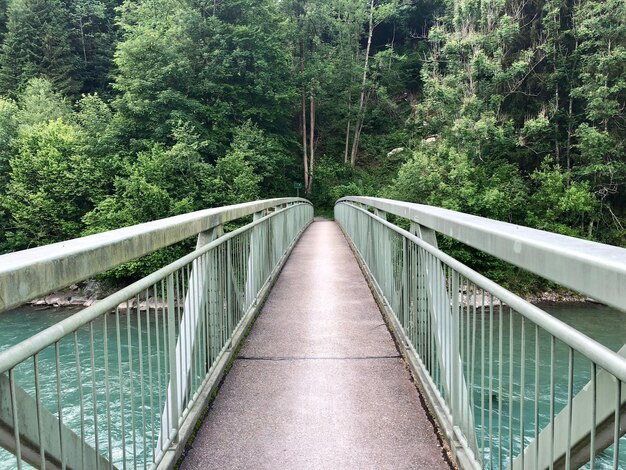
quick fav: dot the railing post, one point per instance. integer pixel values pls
(405, 284)
(445, 312)
(457, 367)
(190, 323)
(229, 293)
(253, 253)
(425, 233)
(171, 330)
(206, 237)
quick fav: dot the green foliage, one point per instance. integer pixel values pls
(39, 103)
(52, 185)
(503, 100)
(116, 112)
(335, 180)
(443, 176)
(164, 182)
(558, 204)
(37, 43)
(213, 72)
(93, 42)
(95, 118)
(3, 18)
(266, 156)
(161, 182)
(233, 181)
(8, 132)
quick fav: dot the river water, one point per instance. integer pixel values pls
(603, 324)
(17, 325)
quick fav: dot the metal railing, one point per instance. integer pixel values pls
(511, 386)
(122, 383)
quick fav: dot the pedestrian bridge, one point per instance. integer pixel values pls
(281, 341)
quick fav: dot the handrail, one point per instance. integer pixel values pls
(20, 352)
(594, 269)
(28, 274)
(474, 345)
(152, 369)
(601, 355)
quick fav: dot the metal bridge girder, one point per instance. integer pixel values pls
(34, 421)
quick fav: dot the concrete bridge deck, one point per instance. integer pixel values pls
(319, 382)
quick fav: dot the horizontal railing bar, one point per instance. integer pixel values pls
(28, 274)
(27, 348)
(594, 269)
(596, 352)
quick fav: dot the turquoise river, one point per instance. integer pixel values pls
(601, 323)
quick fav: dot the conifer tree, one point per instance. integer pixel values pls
(37, 44)
(3, 18)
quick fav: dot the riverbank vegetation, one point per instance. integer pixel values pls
(118, 112)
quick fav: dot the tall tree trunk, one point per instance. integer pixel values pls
(311, 142)
(557, 101)
(305, 151)
(570, 108)
(393, 41)
(305, 157)
(359, 119)
(346, 150)
(557, 146)
(347, 147)
(606, 85)
(82, 39)
(570, 132)
(355, 143)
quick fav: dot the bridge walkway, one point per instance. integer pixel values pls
(319, 382)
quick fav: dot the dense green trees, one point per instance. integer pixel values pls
(37, 44)
(69, 43)
(210, 68)
(537, 89)
(52, 184)
(116, 112)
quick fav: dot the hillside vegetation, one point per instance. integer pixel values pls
(117, 112)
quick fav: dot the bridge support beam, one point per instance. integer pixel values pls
(425, 233)
(35, 421)
(206, 237)
(198, 292)
(252, 271)
(443, 307)
(597, 400)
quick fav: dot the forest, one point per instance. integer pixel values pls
(114, 113)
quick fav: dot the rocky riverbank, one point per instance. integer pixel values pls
(92, 291)
(480, 299)
(74, 296)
